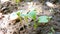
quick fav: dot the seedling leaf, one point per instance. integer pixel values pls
(32, 14)
(43, 19)
(18, 13)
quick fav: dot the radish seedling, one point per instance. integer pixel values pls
(32, 15)
(19, 16)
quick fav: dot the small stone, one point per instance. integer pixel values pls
(49, 4)
(13, 16)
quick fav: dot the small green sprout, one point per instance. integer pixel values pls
(18, 13)
(19, 16)
(17, 1)
(52, 29)
(43, 19)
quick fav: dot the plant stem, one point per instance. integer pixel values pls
(26, 19)
(35, 25)
(21, 21)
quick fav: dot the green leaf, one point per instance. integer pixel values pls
(43, 19)
(17, 1)
(18, 13)
(32, 14)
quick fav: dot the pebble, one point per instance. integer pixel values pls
(49, 4)
(13, 16)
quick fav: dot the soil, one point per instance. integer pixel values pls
(14, 27)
